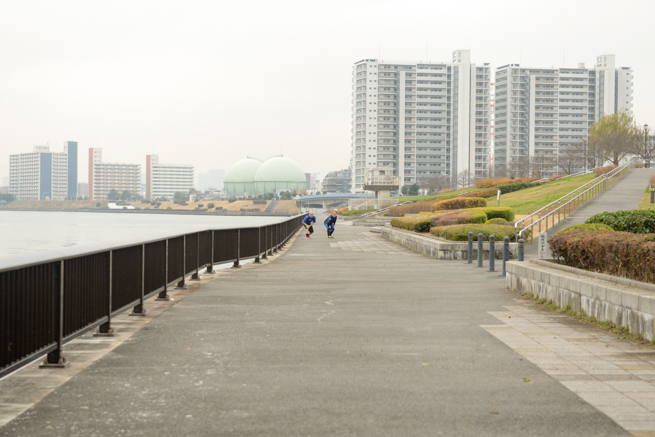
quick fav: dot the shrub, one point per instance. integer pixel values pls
(482, 193)
(641, 221)
(503, 212)
(589, 226)
(604, 170)
(445, 190)
(424, 212)
(357, 212)
(259, 202)
(98, 204)
(496, 220)
(494, 182)
(459, 217)
(232, 199)
(200, 206)
(460, 203)
(412, 208)
(614, 253)
(218, 208)
(169, 207)
(417, 223)
(651, 181)
(461, 232)
(210, 205)
(510, 188)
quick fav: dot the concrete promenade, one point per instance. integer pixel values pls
(354, 336)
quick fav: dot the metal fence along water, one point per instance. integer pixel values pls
(48, 302)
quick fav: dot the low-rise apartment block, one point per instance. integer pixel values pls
(164, 180)
(104, 177)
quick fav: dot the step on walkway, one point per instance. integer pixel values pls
(322, 341)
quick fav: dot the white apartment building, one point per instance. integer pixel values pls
(538, 111)
(164, 180)
(420, 118)
(104, 177)
(40, 175)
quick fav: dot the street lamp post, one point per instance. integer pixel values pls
(646, 157)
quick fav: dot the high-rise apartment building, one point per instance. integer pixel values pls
(540, 111)
(420, 118)
(164, 180)
(42, 174)
(70, 149)
(104, 177)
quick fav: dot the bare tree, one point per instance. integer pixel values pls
(464, 179)
(616, 135)
(645, 148)
(570, 158)
(436, 183)
(592, 155)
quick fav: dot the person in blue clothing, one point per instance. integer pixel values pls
(308, 222)
(330, 222)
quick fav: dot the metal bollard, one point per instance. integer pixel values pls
(492, 253)
(521, 249)
(505, 255)
(480, 249)
(470, 247)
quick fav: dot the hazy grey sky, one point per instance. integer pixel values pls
(208, 82)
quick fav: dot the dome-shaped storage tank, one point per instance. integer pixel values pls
(240, 178)
(279, 173)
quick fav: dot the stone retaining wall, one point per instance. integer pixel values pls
(443, 249)
(623, 302)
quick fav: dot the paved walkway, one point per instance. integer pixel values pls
(354, 336)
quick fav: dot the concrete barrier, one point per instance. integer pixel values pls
(443, 249)
(621, 301)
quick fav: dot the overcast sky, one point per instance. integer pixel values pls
(209, 82)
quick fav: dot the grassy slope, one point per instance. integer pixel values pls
(53, 205)
(443, 196)
(530, 200)
(645, 201)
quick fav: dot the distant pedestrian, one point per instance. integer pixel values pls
(330, 222)
(308, 222)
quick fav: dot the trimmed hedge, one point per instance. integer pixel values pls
(482, 193)
(641, 221)
(357, 211)
(496, 220)
(493, 212)
(459, 217)
(604, 170)
(412, 208)
(416, 223)
(614, 253)
(460, 203)
(461, 232)
(589, 226)
(494, 182)
(510, 188)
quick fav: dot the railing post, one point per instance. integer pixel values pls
(182, 284)
(236, 263)
(139, 310)
(277, 237)
(492, 253)
(55, 359)
(505, 255)
(470, 249)
(105, 330)
(480, 249)
(521, 249)
(163, 295)
(264, 256)
(195, 277)
(210, 268)
(259, 245)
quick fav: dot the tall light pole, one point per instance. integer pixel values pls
(646, 157)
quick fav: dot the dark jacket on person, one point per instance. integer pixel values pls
(330, 221)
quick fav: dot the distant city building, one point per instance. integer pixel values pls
(104, 177)
(41, 175)
(422, 118)
(540, 110)
(70, 148)
(164, 180)
(83, 189)
(5, 181)
(311, 181)
(211, 179)
(338, 182)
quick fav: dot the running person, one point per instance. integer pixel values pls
(330, 222)
(308, 222)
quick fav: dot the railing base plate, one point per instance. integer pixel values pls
(141, 314)
(109, 333)
(62, 364)
(164, 299)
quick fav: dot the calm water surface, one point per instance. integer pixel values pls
(34, 231)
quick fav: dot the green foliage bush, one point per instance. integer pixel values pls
(459, 217)
(641, 221)
(232, 199)
(460, 203)
(510, 188)
(496, 220)
(98, 204)
(461, 232)
(589, 226)
(210, 205)
(218, 208)
(416, 223)
(493, 212)
(614, 253)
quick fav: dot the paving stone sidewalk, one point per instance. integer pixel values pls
(325, 340)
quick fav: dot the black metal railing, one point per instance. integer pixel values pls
(47, 303)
